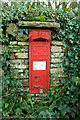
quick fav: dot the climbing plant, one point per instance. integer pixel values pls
(63, 101)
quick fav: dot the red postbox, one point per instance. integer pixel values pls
(39, 60)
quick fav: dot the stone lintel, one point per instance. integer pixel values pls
(38, 24)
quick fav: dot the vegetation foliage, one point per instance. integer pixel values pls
(63, 101)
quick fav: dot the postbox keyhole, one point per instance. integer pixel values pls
(35, 77)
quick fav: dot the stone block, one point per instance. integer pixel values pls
(13, 42)
(55, 49)
(22, 43)
(20, 71)
(21, 50)
(54, 42)
(39, 24)
(21, 55)
(1, 71)
(56, 55)
(1, 50)
(58, 65)
(26, 61)
(58, 75)
(12, 56)
(12, 28)
(22, 38)
(56, 70)
(56, 60)
(25, 82)
(17, 61)
(19, 66)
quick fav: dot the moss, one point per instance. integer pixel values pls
(22, 38)
(37, 18)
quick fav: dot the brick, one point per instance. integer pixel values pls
(55, 49)
(21, 55)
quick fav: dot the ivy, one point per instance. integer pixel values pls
(63, 101)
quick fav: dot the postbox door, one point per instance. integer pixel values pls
(39, 76)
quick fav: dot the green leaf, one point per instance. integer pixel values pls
(67, 92)
(6, 105)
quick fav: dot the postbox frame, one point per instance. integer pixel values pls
(39, 34)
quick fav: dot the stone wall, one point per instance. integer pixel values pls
(56, 65)
(20, 60)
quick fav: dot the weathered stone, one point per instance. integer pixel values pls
(1, 71)
(12, 56)
(22, 75)
(56, 70)
(56, 49)
(26, 72)
(13, 42)
(60, 75)
(58, 65)
(1, 50)
(26, 61)
(20, 71)
(12, 28)
(57, 55)
(21, 50)
(17, 61)
(30, 95)
(22, 43)
(50, 20)
(21, 55)
(19, 66)
(55, 79)
(25, 82)
(39, 24)
(22, 38)
(56, 43)
(56, 60)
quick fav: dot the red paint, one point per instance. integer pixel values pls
(39, 52)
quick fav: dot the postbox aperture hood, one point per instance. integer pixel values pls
(39, 34)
